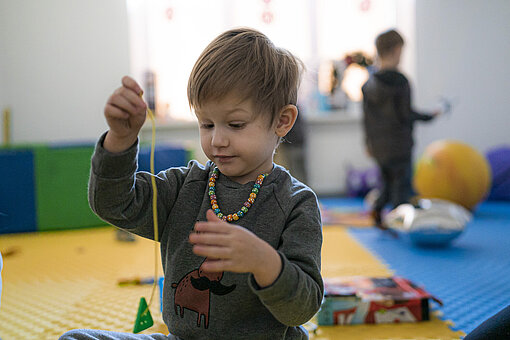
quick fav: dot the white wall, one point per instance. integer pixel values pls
(2, 93)
(60, 59)
(463, 52)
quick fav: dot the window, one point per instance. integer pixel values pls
(167, 37)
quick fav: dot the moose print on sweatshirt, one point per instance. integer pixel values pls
(194, 290)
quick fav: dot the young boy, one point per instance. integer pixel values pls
(240, 238)
(388, 123)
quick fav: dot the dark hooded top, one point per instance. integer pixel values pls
(388, 117)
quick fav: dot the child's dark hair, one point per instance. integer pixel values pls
(387, 41)
(244, 62)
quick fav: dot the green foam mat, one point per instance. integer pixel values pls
(62, 175)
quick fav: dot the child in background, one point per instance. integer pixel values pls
(388, 119)
(240, 237)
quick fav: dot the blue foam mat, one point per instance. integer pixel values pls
(353, 204)
(471, 277)
(165, 156)
(17, 195)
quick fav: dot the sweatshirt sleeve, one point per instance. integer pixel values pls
(297, 293)
(123, 197)
(421, 116)
(404, 108)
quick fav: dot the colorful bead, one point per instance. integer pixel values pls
(244, 209)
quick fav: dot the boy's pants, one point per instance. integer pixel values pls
(496, 327)
(92, 334)
(396, 178)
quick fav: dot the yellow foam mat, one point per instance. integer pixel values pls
(57, 281)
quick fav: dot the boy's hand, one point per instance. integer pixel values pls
(230, 247)
(437, 113)
(125, 113)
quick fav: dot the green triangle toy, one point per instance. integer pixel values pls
(143, 317)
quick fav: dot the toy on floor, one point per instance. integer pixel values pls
(10, 251)
(124, 236)
(136, 281)
(359, 182)
(432, 223)
(499, 161)
(357, 300)
(345, 217)
(453, 171)
(143, 317)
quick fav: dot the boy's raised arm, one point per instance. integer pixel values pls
(117, 193)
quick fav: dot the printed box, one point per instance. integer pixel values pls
(358, 300)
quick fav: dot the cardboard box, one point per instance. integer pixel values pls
(358, 300)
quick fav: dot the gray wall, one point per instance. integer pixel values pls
(463, 51)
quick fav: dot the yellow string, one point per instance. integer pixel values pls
(154, 207)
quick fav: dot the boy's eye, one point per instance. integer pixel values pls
(206, 126)
(236, 125)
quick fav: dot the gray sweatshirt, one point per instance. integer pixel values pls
(199, 305)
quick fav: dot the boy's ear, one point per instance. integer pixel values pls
(286, 119)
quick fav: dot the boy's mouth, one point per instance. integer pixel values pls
(223, 158)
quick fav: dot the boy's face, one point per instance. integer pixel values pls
(237, 139)
(397, 54)
(392, 59)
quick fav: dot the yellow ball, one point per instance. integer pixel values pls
(453, 171)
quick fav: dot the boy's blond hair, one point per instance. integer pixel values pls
(386, 42)
(245, 63)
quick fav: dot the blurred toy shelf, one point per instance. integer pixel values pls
(333, 117)
(351, 114)
(334, 142)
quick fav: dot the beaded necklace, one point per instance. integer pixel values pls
(244, 209)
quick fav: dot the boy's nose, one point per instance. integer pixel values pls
(219, 139)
